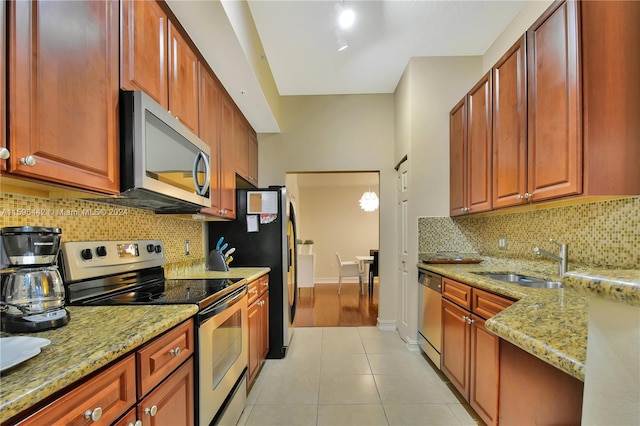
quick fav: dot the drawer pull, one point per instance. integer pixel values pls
(94, 414)
(29, 161)
(137, 423)
(254, 292)
(4, 153)
(151, 411)
(175, 352)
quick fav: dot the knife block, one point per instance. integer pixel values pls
(217, 262)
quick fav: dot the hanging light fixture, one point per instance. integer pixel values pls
(369, 201)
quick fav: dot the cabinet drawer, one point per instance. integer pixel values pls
(487, 304)
(256, 288)
(159, 358)
(457, 292)
(113, 392)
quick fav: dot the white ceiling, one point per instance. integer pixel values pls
(299, 41)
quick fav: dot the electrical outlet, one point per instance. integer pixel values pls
(502, 243)
(187, 252)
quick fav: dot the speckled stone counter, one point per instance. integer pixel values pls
(93, 338)
(199, 271)
(622, 286)
(551, 324)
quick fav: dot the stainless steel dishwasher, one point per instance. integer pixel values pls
(430, 314)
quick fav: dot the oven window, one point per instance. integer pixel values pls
(227, 346)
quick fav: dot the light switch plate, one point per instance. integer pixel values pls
(502, 243)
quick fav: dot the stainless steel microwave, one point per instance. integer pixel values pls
(164, 166)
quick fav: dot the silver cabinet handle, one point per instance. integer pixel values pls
(465, 209)
(266, 284)
(151, 411)
(175, 352)
(519, 197)
(527, 196)
(94, 414)
(29, 161)
(137, 423)
(4, 153)
(254, 291)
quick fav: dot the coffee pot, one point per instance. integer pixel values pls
(32, 297)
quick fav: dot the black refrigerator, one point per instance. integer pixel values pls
(264, 234)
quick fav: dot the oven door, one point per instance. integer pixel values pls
(223, 340)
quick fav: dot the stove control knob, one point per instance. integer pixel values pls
(101, 251)
(150, 248)
(86, 254)
(158, 248)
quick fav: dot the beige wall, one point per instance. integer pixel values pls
(340, 133)
(333, 219)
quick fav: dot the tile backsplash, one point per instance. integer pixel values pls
(604, 233)
(86, 220)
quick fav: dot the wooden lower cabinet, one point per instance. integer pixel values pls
(456, 340)
(470, 352)
(171, 403)
(99, 401)
(534, 392)
(258, 314)
(484, 371)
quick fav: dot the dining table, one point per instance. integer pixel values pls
(365, 263)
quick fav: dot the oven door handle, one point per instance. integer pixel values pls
(222, 305)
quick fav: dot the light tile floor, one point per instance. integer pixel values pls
(351, 376)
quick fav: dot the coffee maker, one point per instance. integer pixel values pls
(32, 297)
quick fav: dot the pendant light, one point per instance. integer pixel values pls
(369, 201)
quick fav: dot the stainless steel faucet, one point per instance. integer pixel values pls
(561, 258)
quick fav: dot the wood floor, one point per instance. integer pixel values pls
(327, 308)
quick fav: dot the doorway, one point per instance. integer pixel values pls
(330, 217)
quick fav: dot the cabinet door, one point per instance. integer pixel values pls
(255, 317)
(264, 322)
(510, 127)
(458, 159)
(173, 400)
(241, 136)
(253, 157)
(455, 346)
(227, 161)
(3, 85)
(106, 397)
(183, 80)
(554, 136)
(479, 146)
(63, 92)
(485, 358)
(143, 49)
(210, 100)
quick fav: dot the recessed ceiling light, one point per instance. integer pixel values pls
(346, 19)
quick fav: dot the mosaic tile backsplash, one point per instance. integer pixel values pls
(86, 220)
(605, 233)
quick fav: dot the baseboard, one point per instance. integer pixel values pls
(386, 325)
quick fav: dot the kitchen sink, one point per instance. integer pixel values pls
(521, 280)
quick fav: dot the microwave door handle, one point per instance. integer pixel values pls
(201, 190)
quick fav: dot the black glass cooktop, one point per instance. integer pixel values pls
(202, 292)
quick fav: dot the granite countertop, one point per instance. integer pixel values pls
(93, 338)
(551, 324)
(199, 271)
(622, 286)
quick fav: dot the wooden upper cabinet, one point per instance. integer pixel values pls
(241, 137)
(479, 146)
(510, 127)
(554, 114)
(63, 92)
(143, 49)
(183, 80)
(227, 161)
(611, 96)
(210, 104)
(458, 158)
(3, 85)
